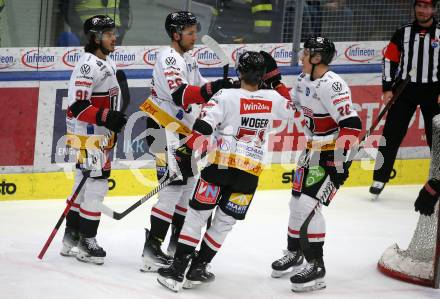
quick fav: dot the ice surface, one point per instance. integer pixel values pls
(358, 232)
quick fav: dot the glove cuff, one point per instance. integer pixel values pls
(206, 91)
(271, 74)
(101, 116)
(432, 186)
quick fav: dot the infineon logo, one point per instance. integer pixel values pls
(150, 56)
(248, 106)
(237, 52)
(282, 54)
(6, 61)
(123, 58)
(36, 60)
(205, 56)
(71, 57)
(357, 53)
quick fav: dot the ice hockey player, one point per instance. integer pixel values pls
(239, 120)
(92, 124)
(177, 89)
(325, 100)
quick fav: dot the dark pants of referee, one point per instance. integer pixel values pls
(398, 118)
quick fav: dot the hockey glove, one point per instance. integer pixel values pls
(428, 197)
(338, 170)
(211, 88)
(272, 78)
(111, 119)
(183, 157)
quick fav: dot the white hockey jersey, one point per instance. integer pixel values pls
(324, 103)
(241, 121)
(170, 71)
(93, 80)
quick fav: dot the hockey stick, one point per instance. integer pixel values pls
(398, 91)
(304, 240)
(70, 202)
(63, 216)
(215, 47)
(125, 93)
(118, 216)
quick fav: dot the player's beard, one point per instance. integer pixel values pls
(422, 20)
(185, 48)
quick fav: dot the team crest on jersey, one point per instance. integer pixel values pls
(170, 60)
(307, 91)
(434, 43)
(337, 86)
(207, 193)
(85, 69)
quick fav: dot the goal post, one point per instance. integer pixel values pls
(420, 262)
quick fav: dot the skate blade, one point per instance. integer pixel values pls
(191, 284)
(89, 259)
(169, 283)
(69, 252)
(314, 285)
(152, 267)
(291, 271)
(374, 197)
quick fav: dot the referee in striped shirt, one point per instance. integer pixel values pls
(414, 45)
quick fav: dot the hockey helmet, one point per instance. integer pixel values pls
(98, 24)
(177, 21)
(323, 46)
(251, 66)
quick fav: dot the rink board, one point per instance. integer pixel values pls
(140, 182)
(34, 163)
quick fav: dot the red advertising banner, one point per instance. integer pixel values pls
(18, 120)
(367, 102)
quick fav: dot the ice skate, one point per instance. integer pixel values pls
(172, 277)
(375, 189)
(311, 278)
(153, 257)
(70, 242)
(197, 275)
(292, 260)
(90, 252)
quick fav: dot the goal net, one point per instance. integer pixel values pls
(419, 263)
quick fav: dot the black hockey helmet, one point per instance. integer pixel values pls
(177, 21)
(98, 24)
(323, 46)
(432, 2)
(251, 67)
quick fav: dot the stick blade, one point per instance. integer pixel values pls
(215, 47)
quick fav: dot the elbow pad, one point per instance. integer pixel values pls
(186, 95)
(78, 107)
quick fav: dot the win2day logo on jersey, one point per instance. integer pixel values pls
(251, 106)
